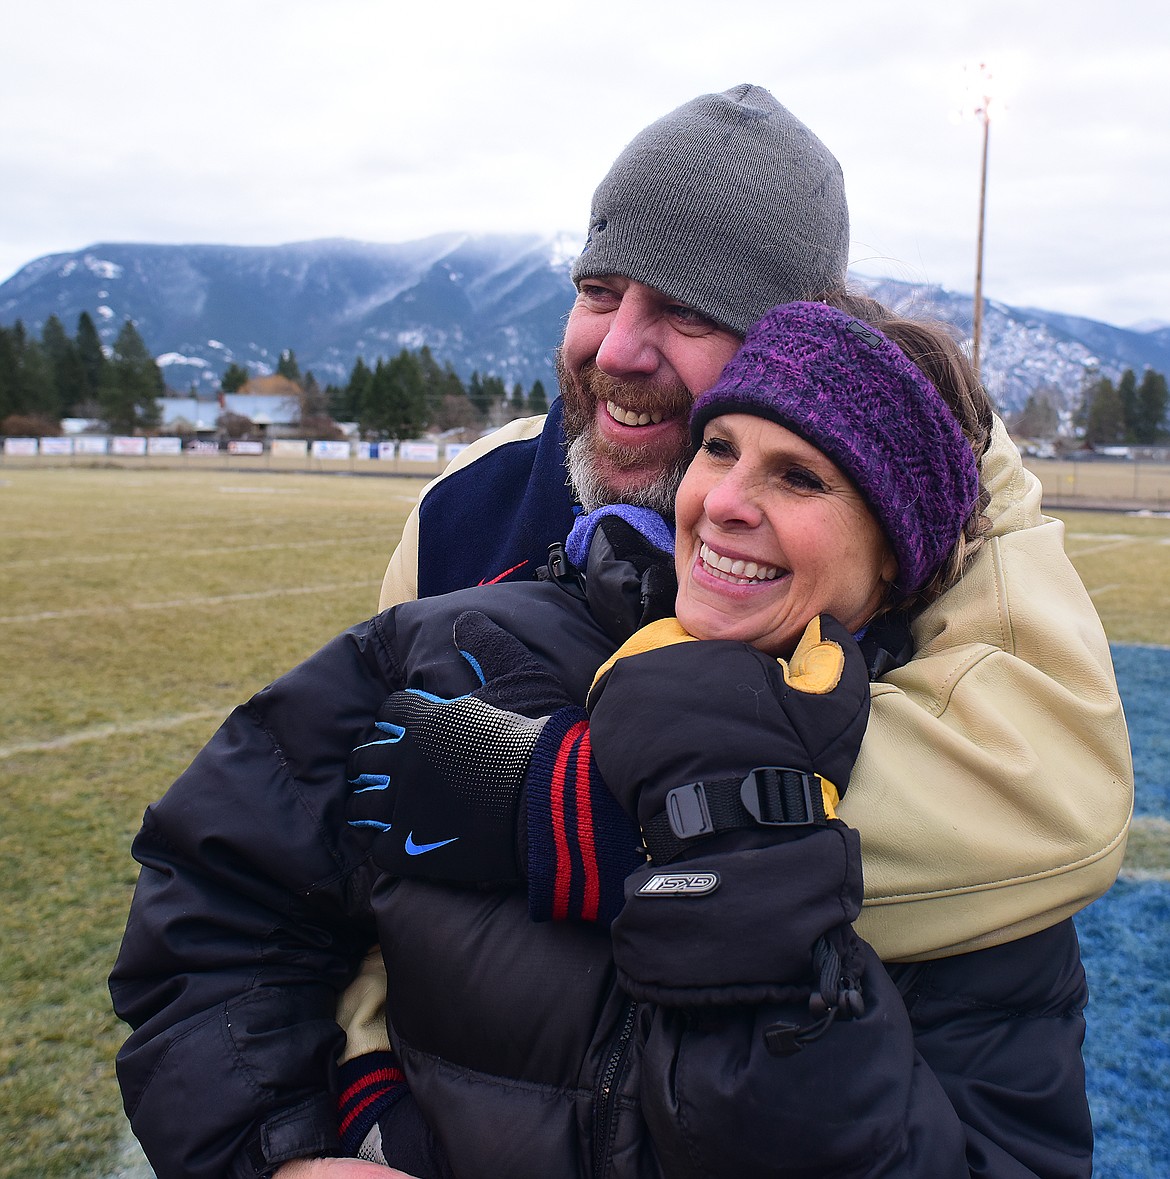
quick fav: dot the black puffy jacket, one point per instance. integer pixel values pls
(253, 910)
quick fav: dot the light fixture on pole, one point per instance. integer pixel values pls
(982, 112)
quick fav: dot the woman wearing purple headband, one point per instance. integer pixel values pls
(622, 934)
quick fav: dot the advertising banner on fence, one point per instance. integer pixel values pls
(91, 444)
(454, 448)
(323, 449)
(123, 445)
(418, 452)
(25, 447)
(289, 448)
(56, 446)
(240, 446)
(375, 450)
(164, 446)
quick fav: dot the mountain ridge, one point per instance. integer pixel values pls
(493, 303)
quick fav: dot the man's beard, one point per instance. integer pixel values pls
(580, 394)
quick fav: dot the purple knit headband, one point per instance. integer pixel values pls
(854, 395)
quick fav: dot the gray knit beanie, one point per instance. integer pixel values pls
(728, 204)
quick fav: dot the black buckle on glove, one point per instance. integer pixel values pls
(770, 796)
(778, 797)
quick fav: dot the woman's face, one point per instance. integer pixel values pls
(769, 534)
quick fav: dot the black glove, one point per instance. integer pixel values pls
(439, 795)
(732, 762)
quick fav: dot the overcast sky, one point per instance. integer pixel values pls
(255, 122)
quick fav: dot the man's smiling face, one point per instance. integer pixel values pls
(631, 363)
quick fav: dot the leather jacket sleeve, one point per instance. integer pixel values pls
(249, 918)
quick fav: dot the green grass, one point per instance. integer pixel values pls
(128, 602)
(136, 608)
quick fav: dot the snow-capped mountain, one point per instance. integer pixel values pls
(491, 303)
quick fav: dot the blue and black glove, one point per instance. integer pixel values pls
(439, 793)
(495, 787)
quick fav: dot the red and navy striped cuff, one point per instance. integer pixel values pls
(581, 844)
(370, 1085)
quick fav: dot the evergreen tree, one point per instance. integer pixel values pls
(538, 398)
(33, 393)
(397, 403)
(1104, 422)
(1151, 407)
(349, 404)
(1127, 395)
(1039, 417)
(9, 373)
(287, 366)
(495, 394)
(235, 377)
(70, 387)
(477, 396)
(132, 384)
(434, 379)
(93, 356)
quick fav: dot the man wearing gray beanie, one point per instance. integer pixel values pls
(721, 209)
(728, 204)
(1007, 712)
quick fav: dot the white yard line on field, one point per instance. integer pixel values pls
(153, 554)
(152, 724)
(182, 603)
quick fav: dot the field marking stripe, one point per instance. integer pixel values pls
(104, 732)
(183, 603)
(220, 551)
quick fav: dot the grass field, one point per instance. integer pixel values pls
(137, 607)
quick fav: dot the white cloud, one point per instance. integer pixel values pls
(261, 121)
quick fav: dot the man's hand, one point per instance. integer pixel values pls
(336, 1169)
(439, 795)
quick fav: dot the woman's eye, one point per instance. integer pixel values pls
(803, 480)
(718, 448)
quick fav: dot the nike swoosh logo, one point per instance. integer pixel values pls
(421, 849)
(500, 576)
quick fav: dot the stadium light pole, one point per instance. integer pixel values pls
(983, 114)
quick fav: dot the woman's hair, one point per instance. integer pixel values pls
(933, 349)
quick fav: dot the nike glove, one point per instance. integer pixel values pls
(438, 795)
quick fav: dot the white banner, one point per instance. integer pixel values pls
(418, 452)
(56, 446)
(21, 446)
(289, 448)
(323, 449)
(454, 448)
(375, 450)
(240, 446)
(90, 444)
(123, 445)
(164, 446)
(202, 446)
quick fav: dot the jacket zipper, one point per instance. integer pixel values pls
(603, 1098)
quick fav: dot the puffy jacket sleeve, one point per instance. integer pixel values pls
(976, 1072)
(249, 917)
(994, 786)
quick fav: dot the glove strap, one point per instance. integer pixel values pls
(770, 796)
